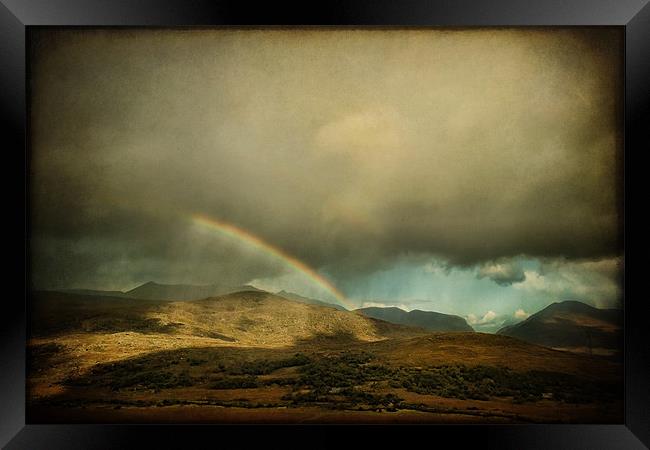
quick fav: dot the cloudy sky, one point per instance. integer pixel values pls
(473, 172)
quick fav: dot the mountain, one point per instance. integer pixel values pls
(186, 292)
(572, 326)
(309, 301)
(158, 291)
(429, 320)
(246, 318)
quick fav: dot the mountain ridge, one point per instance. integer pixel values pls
(428, 320)
(571, 325)
(152, 290)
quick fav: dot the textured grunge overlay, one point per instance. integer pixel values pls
(489, 155)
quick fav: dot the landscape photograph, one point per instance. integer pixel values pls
(325, 225)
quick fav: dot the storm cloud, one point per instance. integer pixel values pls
(503, 273)
(348, 149)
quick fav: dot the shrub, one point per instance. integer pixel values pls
(235, 383)
(265, 367)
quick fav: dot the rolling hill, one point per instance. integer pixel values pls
(429, 320)
(572, 326)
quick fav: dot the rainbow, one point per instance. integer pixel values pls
(240, 234)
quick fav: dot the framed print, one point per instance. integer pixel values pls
(359, 216)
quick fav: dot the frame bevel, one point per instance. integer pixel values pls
(16, 16)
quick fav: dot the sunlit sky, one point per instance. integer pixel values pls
(471, 172)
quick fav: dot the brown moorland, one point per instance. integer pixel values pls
(259, 358)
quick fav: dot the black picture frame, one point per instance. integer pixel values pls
(16, 18)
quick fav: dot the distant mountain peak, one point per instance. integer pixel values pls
(573, 303)
(571, 325)
(152, 290)
(429, 320)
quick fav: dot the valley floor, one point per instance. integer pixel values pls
(375, 382)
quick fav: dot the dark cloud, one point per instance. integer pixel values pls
(347, 149)
(116, 263)
(504, 273)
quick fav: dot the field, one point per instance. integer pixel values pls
(256, 358)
